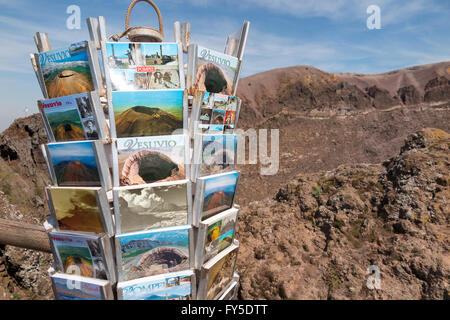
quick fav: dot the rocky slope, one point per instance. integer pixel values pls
(326, 119)
(321, 232)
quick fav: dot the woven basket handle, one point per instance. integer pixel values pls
(127, 23)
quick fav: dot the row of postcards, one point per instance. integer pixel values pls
(140, 157)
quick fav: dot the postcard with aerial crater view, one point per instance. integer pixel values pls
(148, 253)
(67, 71)
(146, 160)
(144, 66)
(80, 209)
(148, 113)
(152, 206)
(172, 286)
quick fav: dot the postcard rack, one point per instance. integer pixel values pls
(141, 208)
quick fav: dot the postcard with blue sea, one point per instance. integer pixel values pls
(75, 164)
(147, 113)
(145, 254)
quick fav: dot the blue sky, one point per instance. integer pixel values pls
(328, 34)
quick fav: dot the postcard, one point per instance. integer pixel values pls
(74, 288)
(143, 66)
(220, 274)
(216, 72)
(147, 113)
(152, 206)
(218, 194)
(71, 118)
(80, 255)
(220, 236)
(218, 153)
(218, 117)
(174, 286)
(149, 253)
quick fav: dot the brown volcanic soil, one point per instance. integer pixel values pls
(322, 231)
